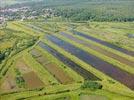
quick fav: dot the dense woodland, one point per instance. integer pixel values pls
(99, 10)
(85, 10)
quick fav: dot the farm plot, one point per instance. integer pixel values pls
(109, 69)
(93, 97)
(53, 68)
(31, 79)
(35, 53)
(74, 66)
(20, 27)
(99, 49)
(47, 27)
(58, 73)
(42, 60)
(22, 67)
(131, 53)
(41, 27)
(35, 28)
(63, 98)
(9, 83)
(39, 57)
(115, 33)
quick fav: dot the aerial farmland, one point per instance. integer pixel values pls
(56, 58)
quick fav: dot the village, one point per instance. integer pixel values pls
(23, 13)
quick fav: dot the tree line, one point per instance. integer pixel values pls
(84, 14)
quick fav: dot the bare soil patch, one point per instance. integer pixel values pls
(21, 65)
(58, 73)
(38, 56)
(42, 60)
(9, 83)
(32, 80)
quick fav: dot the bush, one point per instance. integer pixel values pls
(91, 85)
(2, 56)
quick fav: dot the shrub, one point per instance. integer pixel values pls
(91, 85)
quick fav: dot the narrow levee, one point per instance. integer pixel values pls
(99, 49)
(108, 69)
(81, 71)
(131, 53)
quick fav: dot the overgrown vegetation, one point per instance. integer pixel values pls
(19, 79)
(11, 44)
(18, 43)
(91, 85)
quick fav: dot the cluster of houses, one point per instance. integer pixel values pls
(3, 23)
(48, 12)
(23, 9)
(24, 13)
(2, 20)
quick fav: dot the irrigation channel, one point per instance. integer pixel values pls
(99, 49)
(81, 71)
(131, 53)
(108, 69)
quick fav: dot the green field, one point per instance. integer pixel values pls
(23, 59)
(66, 49)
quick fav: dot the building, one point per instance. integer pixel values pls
(2, 20)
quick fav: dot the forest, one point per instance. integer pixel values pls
(86, 10)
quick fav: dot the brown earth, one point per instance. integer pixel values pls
(42, 60)
(21, 65)
(58, 73)
(32, 80)
(39, 57)
(9, 83)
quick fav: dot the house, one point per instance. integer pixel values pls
(2, 20)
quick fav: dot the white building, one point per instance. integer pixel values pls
(2, 20)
